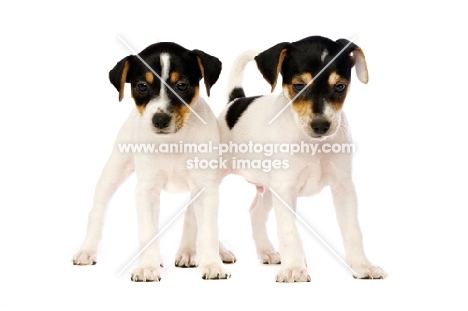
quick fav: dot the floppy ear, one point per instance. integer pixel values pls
(357, 58)
(118, 75)
(210, 68)
(269, 62)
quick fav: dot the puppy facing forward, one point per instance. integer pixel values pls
(316, 75)
(164, 81)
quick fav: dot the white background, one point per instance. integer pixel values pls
(59, 115)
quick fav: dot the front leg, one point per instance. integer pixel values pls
(206, 212)
(117, 169)
(186, 254)
(147, 206)
(345, 201)
(293, 266)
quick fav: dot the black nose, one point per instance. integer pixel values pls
(161, 120)
(320, 126)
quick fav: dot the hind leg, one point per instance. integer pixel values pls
(259, 210)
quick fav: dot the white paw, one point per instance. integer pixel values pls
(368, 271)
(215, 272)
(185, 260)
(146, 274)
(84, 258)
(270, 257)
(295, 274)
(227, 256)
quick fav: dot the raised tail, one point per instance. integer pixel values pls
(235, 89)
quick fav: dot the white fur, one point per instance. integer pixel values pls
(237, 73)
(160, 103)
(324, 54)
(306, 175)
(155, 172)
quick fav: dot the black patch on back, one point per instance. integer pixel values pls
(237, 92)
(237, 109)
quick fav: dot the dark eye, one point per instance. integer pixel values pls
(340, 87)
(298, 86)
(142, 87)
(181, 86)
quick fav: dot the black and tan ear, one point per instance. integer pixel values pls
(358, 59)
(210, 68)
(269, 62)
(118, 75)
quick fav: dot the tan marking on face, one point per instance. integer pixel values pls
(174, 76)
(182, 112)
(334, 78)
(304, 78)
(336, 105)
(290, 90)
(149, 77)
(141, 109)
(302, 107)
(123, 79)
(180, 116)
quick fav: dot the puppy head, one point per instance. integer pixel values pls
(164, 81)
(316, 78)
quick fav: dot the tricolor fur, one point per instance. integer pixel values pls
(164, 83)
(312, 112)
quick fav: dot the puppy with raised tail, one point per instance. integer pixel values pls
(164, 81)
(316, 75)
